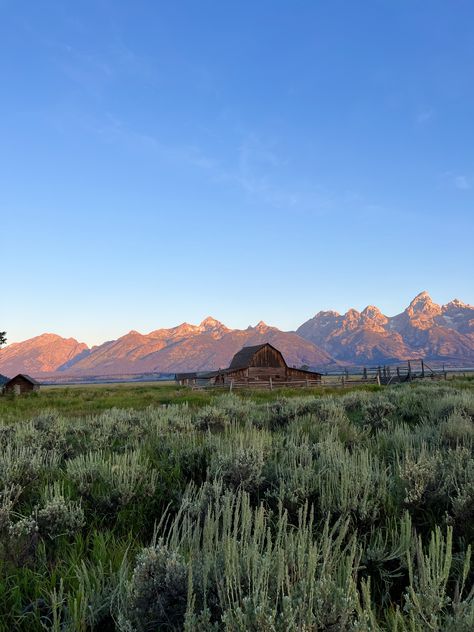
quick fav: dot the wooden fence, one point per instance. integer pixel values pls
(341, 382)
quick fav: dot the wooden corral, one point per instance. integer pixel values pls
(21, 384)
(252, 365)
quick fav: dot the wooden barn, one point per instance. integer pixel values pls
(251, 365)
(21, 384)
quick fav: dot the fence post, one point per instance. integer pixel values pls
(231, 385)
(365, 373)
(271, 384)
(422, 369)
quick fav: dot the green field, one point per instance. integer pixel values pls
(151, 507)
(72, 401)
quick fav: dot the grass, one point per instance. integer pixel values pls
(78, 400)
(295, 510)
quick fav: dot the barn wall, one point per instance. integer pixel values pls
(297, 374)
(268, 357)
(265, 373)
(239, 375)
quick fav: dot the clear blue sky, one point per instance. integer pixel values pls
(162, 161)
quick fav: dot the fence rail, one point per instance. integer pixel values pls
(271, 385)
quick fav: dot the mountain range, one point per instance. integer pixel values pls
(423, 330)
(326, 341)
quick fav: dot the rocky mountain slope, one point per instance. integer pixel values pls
(42, 354)
(210, 345)
(423, 330)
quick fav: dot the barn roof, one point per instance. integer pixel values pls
(242, 358)
(25, 377)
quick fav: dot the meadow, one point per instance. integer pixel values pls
(141, 508)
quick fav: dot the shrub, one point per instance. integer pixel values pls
(458, 429)
(157, 592)
(377, 411)
(242, 470)
(420, 476)
(55, 517)
(211, 418)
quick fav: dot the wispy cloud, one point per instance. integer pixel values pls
(425, 115)
(114, 130)
(459, 181)
(256, 167)
(462, 182)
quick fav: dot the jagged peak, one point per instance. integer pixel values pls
(183, 325)
(422, 297)
(260, 326)
(179, 329)
(370, 310)
(210, 323)
(422, 303)
(326, 313)
(457, 303)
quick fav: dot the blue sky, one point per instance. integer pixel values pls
(162, 161)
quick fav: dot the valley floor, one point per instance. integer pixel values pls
(153, 507)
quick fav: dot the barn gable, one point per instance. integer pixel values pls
(264, 355)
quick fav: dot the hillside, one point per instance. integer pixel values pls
(42, 354)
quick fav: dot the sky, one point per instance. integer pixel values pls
(162, 161)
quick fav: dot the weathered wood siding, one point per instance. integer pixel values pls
(298, 374)
(268, 357)
(20, 385)
(267, 372)
(264, 374)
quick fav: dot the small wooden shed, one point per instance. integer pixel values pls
(21, 384)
